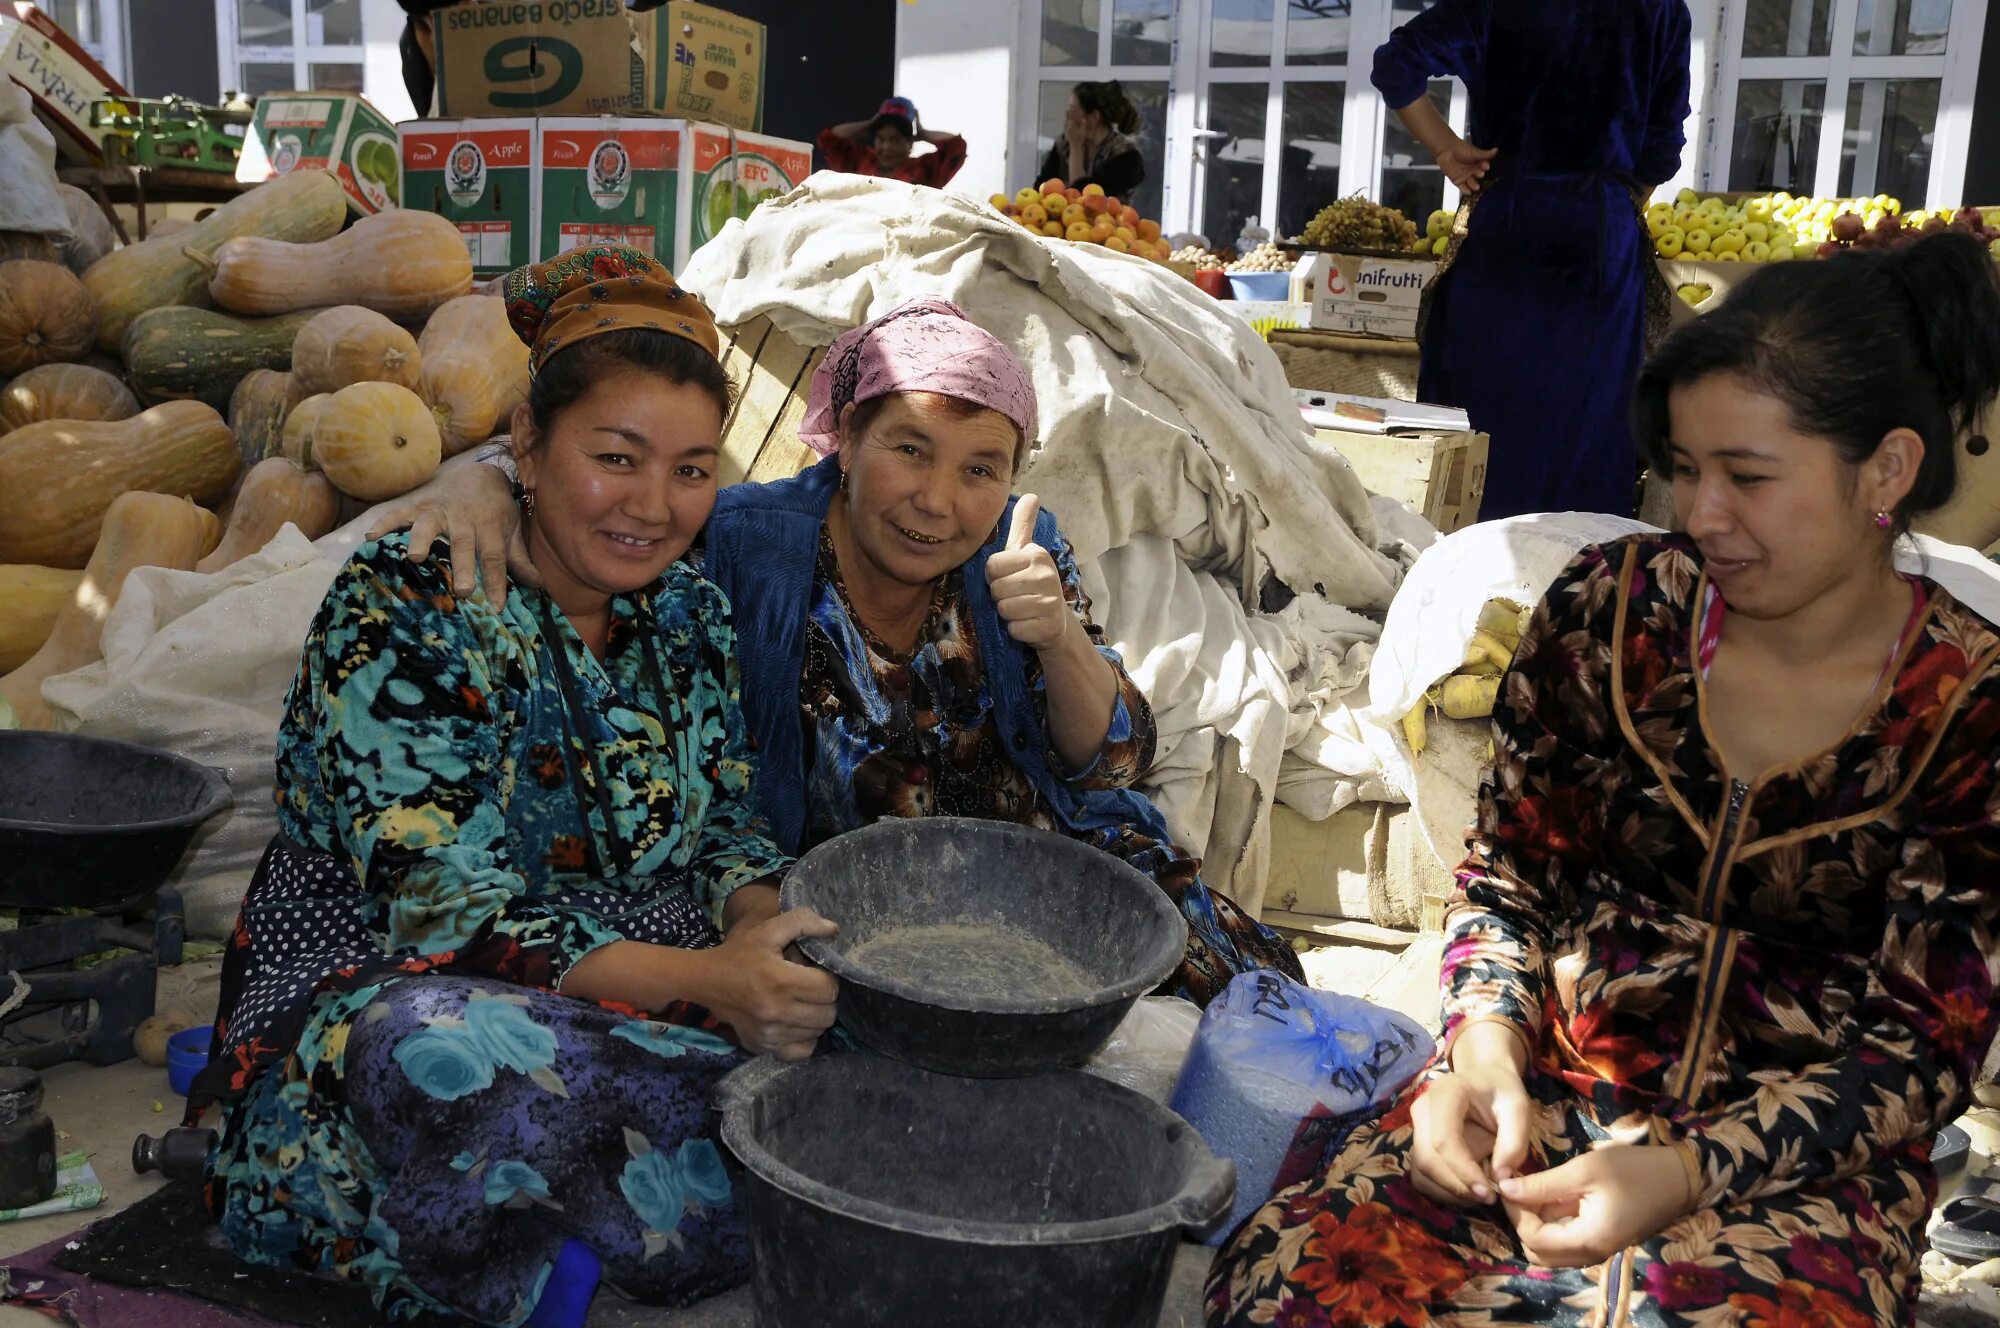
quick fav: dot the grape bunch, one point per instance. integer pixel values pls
(1356, 223)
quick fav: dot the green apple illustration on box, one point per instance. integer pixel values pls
(722, 197)
(376, 169)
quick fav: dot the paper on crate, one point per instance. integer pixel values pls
(326, 131)
(479, 175)
(1370, 297)
(60, 76)
(595, 57)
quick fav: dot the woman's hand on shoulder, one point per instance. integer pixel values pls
(473, 508)
(1027, 586)
(773, 1004)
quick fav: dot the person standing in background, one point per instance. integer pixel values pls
(1580, 110)
(1097, 144)
(886, 146)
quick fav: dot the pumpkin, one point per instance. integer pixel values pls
(346, 345)
(45, 316)
(203, 354)
(374, 441)
(32, 597)
(296, 445)
(140, 530)
(168, 270)
(91, 236)
(474, 370)
(274, 493)
(58, 478)
(65, 392)
(400, 263)
(257, 410)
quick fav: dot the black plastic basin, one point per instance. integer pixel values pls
(884, 1196)
(89, 821)
(984, 948)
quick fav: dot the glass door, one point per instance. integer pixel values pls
(1078, 41)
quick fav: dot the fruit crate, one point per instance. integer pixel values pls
(176, 132)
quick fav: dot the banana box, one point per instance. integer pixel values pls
(325, 131)
(1367, 296)
(610, 180)
(479, 175)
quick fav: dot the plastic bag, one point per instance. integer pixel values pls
(1279, 1074)
(1149, 1046)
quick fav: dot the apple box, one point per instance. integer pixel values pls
(478, 175)
(325, 131)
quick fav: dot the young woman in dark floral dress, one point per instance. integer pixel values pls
(1726, 952)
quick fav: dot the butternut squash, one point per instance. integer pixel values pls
(274, 493)
(474, 370)
(257, 411)
(400, 263)
(204, 353)
(173, 269)
(59, 477)
(140, 530)
(373, 440)
(45, 316)
(64, 392)
(30, 599)
(346, 345)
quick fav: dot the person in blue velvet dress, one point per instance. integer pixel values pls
(1539, 322)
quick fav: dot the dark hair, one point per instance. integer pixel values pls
(1854, 346)
(1108, 100)
(952, 408)
(575, 369)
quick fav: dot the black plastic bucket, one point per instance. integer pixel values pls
(1090, 936)
(89, 821)
(880, 1195)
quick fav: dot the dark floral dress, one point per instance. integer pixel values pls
(470, 802)
(1792, 981)
(894, 734)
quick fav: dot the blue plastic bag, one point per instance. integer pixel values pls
(1272, 1057)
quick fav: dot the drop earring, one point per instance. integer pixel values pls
(1883, 521)
(528, 503)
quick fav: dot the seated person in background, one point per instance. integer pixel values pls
(915, 641)
(883, 146)
(1096, 145)
(478, 997)
(1724, 957)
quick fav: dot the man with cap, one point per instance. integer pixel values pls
(882, 146)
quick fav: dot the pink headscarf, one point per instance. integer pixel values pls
(924, 346)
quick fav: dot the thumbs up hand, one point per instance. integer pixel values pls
(1027, 588)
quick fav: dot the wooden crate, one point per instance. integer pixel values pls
(1440, 477)
(773, 376)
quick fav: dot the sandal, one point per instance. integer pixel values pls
(1968, 1227)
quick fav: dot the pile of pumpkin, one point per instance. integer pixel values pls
(272, 368)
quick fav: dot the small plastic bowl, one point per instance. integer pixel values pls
(1261, 285)
(187, 1055)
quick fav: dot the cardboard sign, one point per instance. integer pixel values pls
(714, 67)
(478, 174)
(326, 131)
(60, 76)
(1369, 297)
(609, 181)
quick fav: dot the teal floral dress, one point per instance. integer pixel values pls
(470, 802)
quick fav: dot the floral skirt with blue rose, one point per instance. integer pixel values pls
(440, 1137)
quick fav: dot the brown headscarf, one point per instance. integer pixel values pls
(597, 289)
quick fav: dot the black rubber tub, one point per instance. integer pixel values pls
(883, 1196)
(984, 948)
(89, 821)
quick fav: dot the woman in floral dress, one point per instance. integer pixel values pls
(915, 640)
(1725, 955)
(481, 988)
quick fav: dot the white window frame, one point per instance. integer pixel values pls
(1956, 71)
(1188, 78)
(232, 55)
(113, 42)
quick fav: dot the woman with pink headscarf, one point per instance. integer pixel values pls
(914, 640)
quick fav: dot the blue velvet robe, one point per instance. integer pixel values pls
(1538, 327)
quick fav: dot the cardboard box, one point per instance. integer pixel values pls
(1720, 278)
(328, 131)
(714, 70)
(478, 174)
(1369, 297)
(61, 77)
(595, 57)
(605, 180)
(733, 172)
